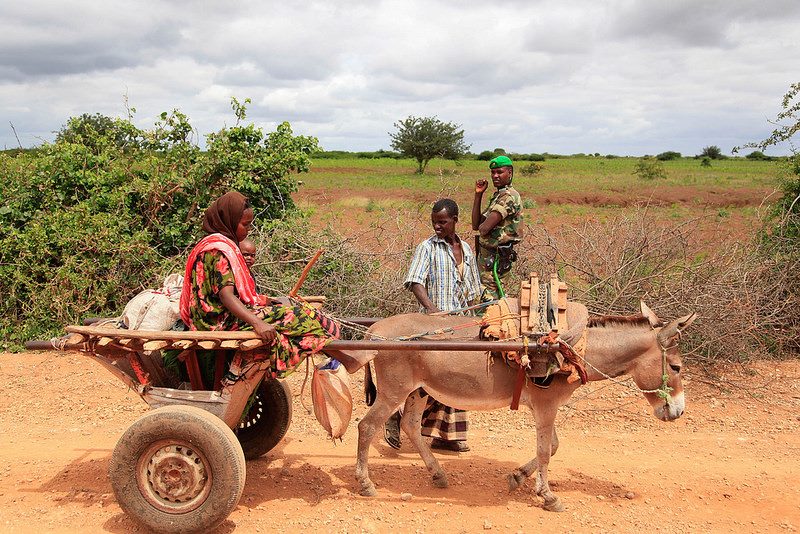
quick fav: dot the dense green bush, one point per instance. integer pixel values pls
(669, 155)
(343, 154)
(107, 209)
(650, 168)
(757, 155)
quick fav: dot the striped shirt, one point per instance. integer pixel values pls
(434, 266)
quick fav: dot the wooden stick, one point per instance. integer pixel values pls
(304, 274)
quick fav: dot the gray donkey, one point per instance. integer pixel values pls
(641, 346)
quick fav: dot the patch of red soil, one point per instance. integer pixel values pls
(730, 464)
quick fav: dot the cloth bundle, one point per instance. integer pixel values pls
(330, 395)
(155, 309)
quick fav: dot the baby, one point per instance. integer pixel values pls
(248, 249)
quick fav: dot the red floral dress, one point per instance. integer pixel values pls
(302, 330)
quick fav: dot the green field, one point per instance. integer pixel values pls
(563, 174)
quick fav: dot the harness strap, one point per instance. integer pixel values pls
(520, 380)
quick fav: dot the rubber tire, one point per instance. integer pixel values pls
(208, 435)
(268, 419)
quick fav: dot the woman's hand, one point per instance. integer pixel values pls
(280, 301)
(481, 184)
(232, 303)
(265, 331)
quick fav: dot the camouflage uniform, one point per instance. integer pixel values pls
(507, 202)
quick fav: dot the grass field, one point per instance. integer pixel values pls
(354, 193)
(564, 174)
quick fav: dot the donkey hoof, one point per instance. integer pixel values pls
(554, 505)
(515, 480)
(440, 480)
(368, 491)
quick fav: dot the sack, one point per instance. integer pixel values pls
(330, 394)
(155, 309)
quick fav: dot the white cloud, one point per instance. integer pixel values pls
(625, 76)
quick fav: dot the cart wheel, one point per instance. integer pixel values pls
(178, 469)
(268, 419)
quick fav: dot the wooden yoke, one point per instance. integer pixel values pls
(533, 314)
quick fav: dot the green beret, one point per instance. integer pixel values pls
(501, 161)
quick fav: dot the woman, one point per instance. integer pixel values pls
(499, 227)
(219, 294)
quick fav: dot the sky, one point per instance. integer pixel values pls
(624, 77)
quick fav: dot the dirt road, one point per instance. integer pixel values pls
(732, 463)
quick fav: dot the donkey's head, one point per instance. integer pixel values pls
(658, 371)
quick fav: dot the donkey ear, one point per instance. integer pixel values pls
(675, 327)
(650, 314)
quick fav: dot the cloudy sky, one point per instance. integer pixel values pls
(627, 77)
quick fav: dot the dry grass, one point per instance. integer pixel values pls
(746, 294)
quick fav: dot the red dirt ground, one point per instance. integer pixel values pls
(729, 464)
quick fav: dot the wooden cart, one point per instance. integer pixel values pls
(181, 466)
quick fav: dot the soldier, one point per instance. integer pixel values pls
(499, 227)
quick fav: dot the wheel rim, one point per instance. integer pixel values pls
(173, 476)
(255, 413)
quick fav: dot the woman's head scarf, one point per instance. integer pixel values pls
(224, 214)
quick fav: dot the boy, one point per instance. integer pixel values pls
(443, 277)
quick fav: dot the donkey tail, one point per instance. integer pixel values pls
(370, 391)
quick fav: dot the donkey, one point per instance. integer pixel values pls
(641, 346)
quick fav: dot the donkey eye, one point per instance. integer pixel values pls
(675, 367)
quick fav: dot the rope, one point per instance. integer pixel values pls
(500, 292)
(468, 308)
(664, 389)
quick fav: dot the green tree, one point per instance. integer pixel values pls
(779, 247)
(425, 138)
(712, 152)
(786, 212)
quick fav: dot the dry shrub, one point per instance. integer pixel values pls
(356, 281)
(746, 294)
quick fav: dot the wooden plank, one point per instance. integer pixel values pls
(209, 344)
(104, 341)
(525, 294)
(219, 369)
(230, 344)
(193, 369)
(554, 296)
(524, 304)
(75, 339)
(156, 345)
(251, 344)
(534, 311)
(184, 344)
(562, 306)
(170, 335)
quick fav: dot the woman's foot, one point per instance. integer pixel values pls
(391, 431)
(445, 445)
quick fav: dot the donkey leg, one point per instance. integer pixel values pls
(545, 426)
(367, 428)
(411, 423)
(519, 475)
